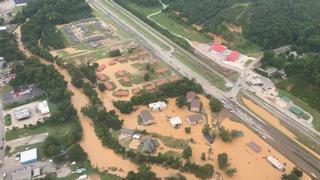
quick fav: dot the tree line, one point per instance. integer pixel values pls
(169, 90)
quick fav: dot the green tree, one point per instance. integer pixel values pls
(187, 130)
(125, 107)
(187, 152)
(215, 105)
(206, 129)
(102, 87)
(146, 77)
(181, 101)
(76, 153)
(223, 160)
(203, 156)
(231, 171)
(225, 134)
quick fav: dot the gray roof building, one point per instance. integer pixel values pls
(126, 132)
(22, 174)
(149, 145)
(195, 118)
(146, 117)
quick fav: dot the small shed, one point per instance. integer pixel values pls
(175, 122)
(255, 147)
(136, 136)
(275, 163)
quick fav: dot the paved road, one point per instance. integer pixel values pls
(2, 136)
(283, 144)
(27, 140)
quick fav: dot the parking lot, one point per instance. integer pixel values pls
(35, 116)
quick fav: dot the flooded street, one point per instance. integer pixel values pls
(268, 117)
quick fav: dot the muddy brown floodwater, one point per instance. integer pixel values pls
(250, 165)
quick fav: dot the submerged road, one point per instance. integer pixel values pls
(291, 150)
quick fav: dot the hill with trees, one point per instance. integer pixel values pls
(269, 24)
(43, 16)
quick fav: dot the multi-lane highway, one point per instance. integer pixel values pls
(294, 152)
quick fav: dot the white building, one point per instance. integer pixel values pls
(29, 156)
(22, 113)
(275, 163)
(43, 107)
(3, 28)
(175, 122)
(158, 106)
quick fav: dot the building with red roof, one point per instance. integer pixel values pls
(234, 55)
(218, 48)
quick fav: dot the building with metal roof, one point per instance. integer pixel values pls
(21, 114)
(146, 117)
(43, 107)
(195, 119)
(29, 156)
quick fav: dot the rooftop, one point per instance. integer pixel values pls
(43, 107)
(22, 113)
(195, 118)
(217, 48)
(149, 145)
(22, 174)
(28, 156)
(195, 103)
(233, 56)
(146, 116)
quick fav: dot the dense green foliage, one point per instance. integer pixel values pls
(43, 16)
(223, 160)
(8, 47)
(48, 79)
(215, 105)
(187, 152)
(180, 41)
(181, 101)
(76, 153)
(295, 174)
(125, 107)
(143, 173)
(270, 23)
(303, 75)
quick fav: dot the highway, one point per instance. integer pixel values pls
(291, 150)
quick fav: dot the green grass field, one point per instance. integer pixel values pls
(138, 27)
(57, 131)
(178, 28)
(213, 78)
